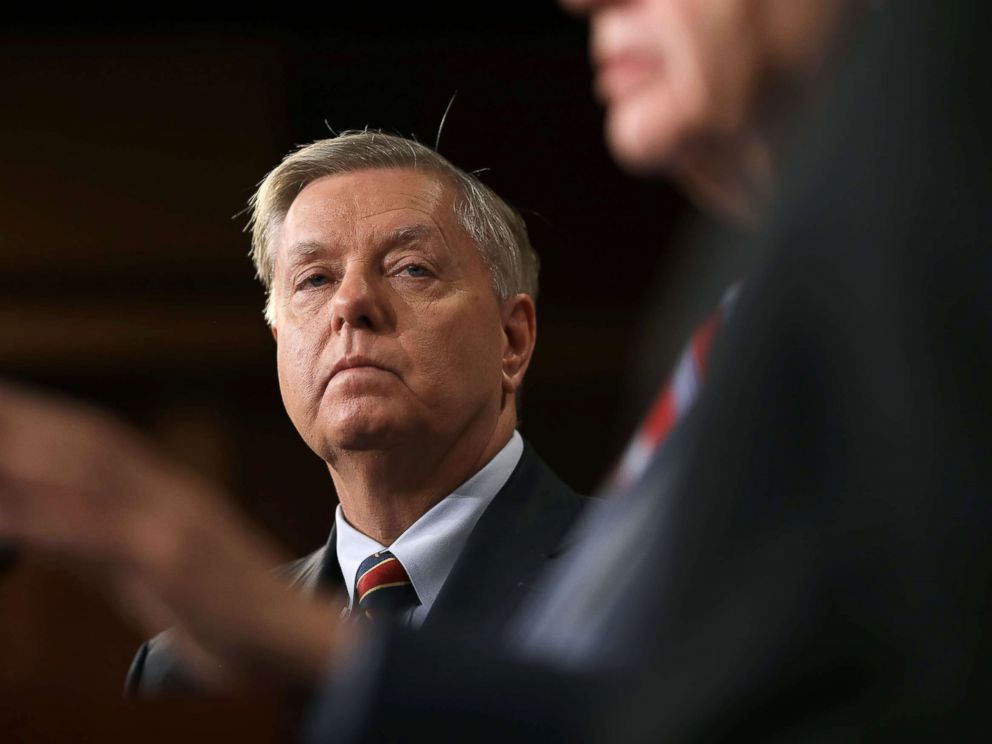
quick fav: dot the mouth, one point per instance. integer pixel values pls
(618, 75)
(357, 365)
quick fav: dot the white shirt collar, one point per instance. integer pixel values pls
(431, 545)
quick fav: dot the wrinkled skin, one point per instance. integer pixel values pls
(398, 363)
(686, 84)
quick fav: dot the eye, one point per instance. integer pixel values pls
(315, 280)
(415, 270)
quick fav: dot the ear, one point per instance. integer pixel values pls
(519, 318)
(275, 334)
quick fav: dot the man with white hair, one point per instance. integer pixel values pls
(400, 292)
(807, 556)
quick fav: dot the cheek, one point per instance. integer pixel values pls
(296, 361)
(719, 58)
(461, 356)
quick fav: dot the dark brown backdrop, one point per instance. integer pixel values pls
(128, 152)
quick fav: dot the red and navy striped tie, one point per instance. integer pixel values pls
(382, 589)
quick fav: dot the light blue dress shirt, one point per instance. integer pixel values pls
(431, 545)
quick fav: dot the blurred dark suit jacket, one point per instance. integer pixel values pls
(517, 537)
(817, 564)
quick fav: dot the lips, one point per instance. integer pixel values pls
(621, 74)
(357, 362)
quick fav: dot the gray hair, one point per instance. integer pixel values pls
(495, 227)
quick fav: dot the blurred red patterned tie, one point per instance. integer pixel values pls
(675, 398)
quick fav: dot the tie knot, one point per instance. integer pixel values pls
(383, 588)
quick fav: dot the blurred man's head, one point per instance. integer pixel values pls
(693, 86)
(400, 294)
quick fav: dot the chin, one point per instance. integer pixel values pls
(353, 431)
(364, 436)
(634, 153)
(643, 139)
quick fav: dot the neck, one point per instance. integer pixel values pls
(384, 491)
(732, 182)
(734, 175)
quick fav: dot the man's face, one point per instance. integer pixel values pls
(689, 78)
(387, 324)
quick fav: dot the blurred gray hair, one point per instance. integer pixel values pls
(495, 227)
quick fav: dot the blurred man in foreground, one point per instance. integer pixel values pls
(806, 556)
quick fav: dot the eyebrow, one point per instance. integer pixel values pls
(407, 234)
(305, 249)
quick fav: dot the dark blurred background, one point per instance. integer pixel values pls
(128, 154)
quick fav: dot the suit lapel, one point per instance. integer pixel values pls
(329, 578)
(318, 571)
(521, 530)
(516, 536)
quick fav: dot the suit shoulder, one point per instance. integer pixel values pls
(156, 668)
(301, 571)
(535, 478)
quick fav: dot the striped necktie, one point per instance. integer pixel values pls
(382, 589)
(674, 399)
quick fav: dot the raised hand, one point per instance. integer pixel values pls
(76, 482)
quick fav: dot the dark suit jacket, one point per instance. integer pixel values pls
(516, 538)
(811, 558)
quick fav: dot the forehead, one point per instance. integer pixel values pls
(344, 205)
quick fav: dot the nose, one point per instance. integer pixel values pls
(359, 302)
